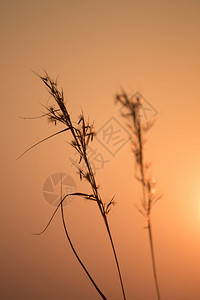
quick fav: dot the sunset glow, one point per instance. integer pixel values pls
(97, 50)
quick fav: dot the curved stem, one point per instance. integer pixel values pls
(78, 258)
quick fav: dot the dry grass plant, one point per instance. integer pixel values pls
(133, 111)
(82, 134)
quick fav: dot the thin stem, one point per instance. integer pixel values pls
(115, 255)
(76, 254)
(153, 260)
(99, 203)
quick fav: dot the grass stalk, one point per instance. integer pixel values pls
(134, 108)
(82, 134)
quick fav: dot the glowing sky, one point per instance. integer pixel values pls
(97, 47)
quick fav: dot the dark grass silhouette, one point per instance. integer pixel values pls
(139, 128)
(82, 134)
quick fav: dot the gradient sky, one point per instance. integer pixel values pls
(97, 47)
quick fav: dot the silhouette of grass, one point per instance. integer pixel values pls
(82, 134)
(133, 111)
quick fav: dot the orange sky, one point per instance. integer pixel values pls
(97, 47)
